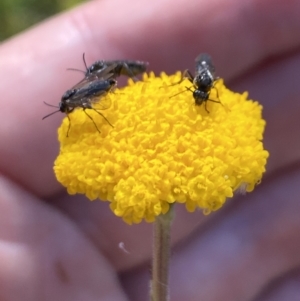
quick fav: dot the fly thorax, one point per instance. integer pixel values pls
(97, 66)
(204, 81)
(68, 94)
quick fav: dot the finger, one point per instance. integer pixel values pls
(44, 256)
(237, 35)
(282, 120)
(240, 254)
(37, 72)
(285, 287)
(124, 246)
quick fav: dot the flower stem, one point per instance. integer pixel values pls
(161, 257)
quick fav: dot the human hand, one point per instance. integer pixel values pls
(56, 246)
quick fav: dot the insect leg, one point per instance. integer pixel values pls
(213, 87)
(205, 103)
(91, 119)
(213, 101)
(216, 101)
(215, 80)
(189, 88)
(187, 74)
(103, 117)
(129, 71)
(69, 125)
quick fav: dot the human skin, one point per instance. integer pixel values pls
(60, 247)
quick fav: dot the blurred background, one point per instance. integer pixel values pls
(17, 15)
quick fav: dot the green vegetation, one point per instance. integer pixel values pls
(17, 15)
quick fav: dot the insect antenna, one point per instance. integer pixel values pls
(187, 88)
(50, 114)
(50, 105)
(83, 57)
(74, 69)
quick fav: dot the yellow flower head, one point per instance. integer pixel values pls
(163, 148)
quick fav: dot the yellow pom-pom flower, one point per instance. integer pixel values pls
(163, 149)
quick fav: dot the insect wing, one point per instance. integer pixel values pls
(117, 67)
(100, 99)
(130, 68)
(91, 89)
(93, 92)
(108, 72)
(204, 63)
(101, 103)
(135, 67)
(104, 74)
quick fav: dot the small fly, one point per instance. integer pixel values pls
(123, 67)
(84, 95)
(203, 81)
(120, 67)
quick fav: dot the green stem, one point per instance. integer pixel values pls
(161, 257)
